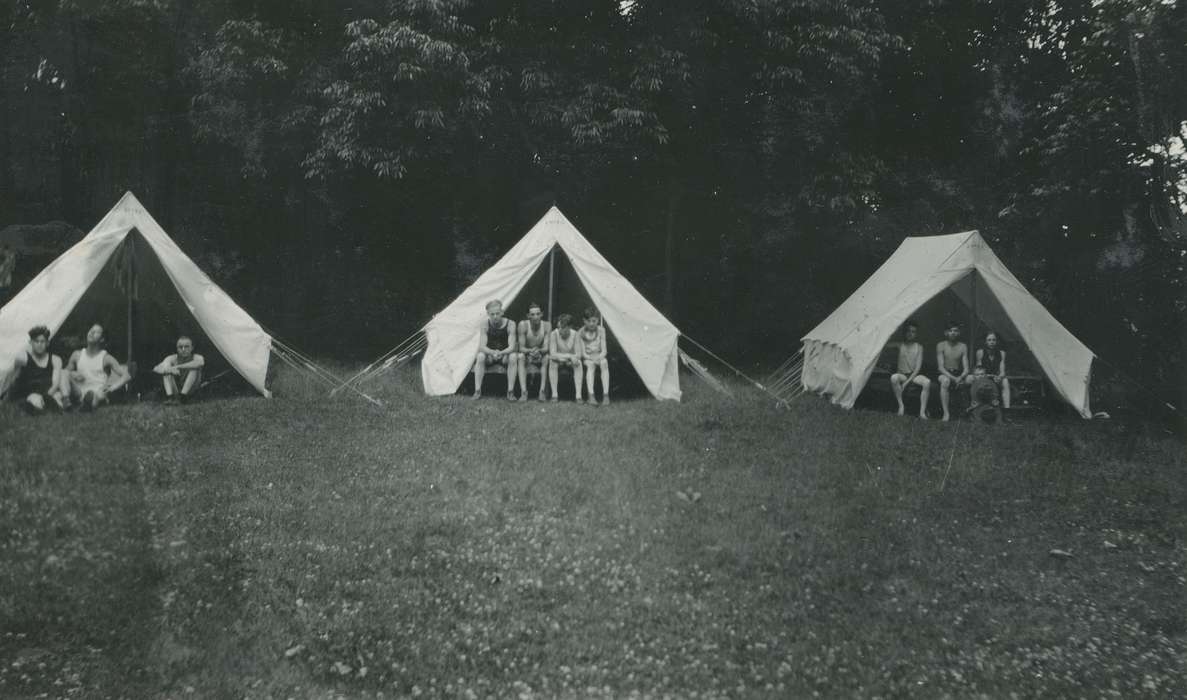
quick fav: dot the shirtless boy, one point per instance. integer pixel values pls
(533, 349)
(952, 357)
(910, 362)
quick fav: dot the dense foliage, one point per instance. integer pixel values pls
(745, 162)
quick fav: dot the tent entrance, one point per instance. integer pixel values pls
(969, 302)
(142, 315)
(556, 286)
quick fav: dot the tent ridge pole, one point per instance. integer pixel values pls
(551, 280)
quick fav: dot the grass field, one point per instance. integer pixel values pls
(309, 547)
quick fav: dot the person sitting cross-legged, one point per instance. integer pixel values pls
(496, 346)
(564, 351)
(533, 349)
(592, 339)
(185, 367)
(93, 372)
(952, 357)
(910, 362)
(39, 384)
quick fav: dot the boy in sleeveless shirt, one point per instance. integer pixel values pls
(496, 346)
(39, 384)
(592, 340)
(533, 349)
(563, 351)
(93, 373)
(910, 362)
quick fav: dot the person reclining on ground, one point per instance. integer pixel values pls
(533, 349)
(39, 384)
(592, 340)
(991, 363)
(184, 366)
(564, 351)
(496, 346)
(93, 373)
(910, 362)
(952, 357)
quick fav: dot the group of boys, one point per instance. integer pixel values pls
(92, 374)
(534, 343)
(952, 361)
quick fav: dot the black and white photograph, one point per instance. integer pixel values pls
(593, 349)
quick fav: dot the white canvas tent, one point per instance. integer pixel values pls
(647, 338)
(127, 250)
(840, 353)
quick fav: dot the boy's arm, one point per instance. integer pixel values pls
(964, 363)
(56, 362)
(482, 341)
(940, 362)
(522, 333)
(72, 364)
(918, 366)
(196, 362)
(117, 371)
(605, 344)
(164, 366)
(1001, 366)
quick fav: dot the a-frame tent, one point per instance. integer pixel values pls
(128, 250)
(840, 354)
(647, 338)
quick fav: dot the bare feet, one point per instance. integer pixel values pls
(605, 400)
(477, 395)
(902, 409)
(923, 415)
(946, 418)
(523, 397)
(542, 398)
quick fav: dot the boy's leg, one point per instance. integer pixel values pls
(944, 384)
(554, 375)
(605, 365)
(896, 384)
(479, 371)
(512, 374)
(577, 380)
(590, 367)
(544, 363)
(924, 392)
(522, 375)
(170, 385)
(1005, 392)
(34, 403)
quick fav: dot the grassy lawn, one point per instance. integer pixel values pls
(309, 547)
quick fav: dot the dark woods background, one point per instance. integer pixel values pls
(345, 169)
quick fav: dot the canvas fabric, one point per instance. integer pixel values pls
(841, 352)
(50, 297)
(647, 338)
